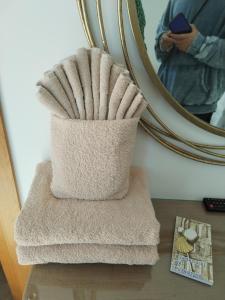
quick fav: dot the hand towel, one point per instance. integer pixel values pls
(140, 109)
(70, 68)
(117, 94)
(126, 101)
(58, 70)
(116, 70)
(53, 85)
(135, 105)
(95, 78)
(49, 101)
(105, 68)
(85, 78)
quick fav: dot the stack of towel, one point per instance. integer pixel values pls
(60, 222)
(77, 231)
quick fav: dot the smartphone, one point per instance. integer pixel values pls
(180, 25)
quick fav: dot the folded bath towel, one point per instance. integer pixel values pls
(45, 220)
(88, 253)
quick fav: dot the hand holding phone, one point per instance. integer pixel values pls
(184, 41)
(180, 25)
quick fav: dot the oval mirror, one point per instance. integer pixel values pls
(185, 42)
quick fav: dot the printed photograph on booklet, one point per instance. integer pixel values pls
(192, 250)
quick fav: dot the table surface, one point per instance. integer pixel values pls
(121, 282)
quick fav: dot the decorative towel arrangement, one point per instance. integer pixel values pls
(95, 111)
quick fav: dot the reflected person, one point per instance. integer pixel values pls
(193, 64)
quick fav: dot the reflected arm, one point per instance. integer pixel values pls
(209, 50)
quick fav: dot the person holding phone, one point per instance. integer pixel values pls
(193, 62)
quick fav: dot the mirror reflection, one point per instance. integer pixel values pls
(185, 40)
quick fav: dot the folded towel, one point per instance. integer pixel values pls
(95, 77)
(117, 94)
(46, 98)
(85, 78)
(116, 70)
(140, 109)
(136, 106)
(105, 69)
(126, 101)
(45, 220)
(91, 159)
(53, 85)
(60, 73)
(69, 65)
(87, 253)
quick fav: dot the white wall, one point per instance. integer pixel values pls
(37, 34)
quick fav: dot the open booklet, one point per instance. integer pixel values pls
(192, 250)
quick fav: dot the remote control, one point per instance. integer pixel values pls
(214, 204)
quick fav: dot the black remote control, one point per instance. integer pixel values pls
(214, 204)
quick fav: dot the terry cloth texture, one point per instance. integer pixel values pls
(88, 253)
(45, 220)
(90, 86)
(91, 159)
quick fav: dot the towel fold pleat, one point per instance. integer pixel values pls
(138, 100)
(116, 70)
(95, 77)
(140, 109)
(49, 101)
(105, 68)
(126, 101)
(53, 85)
(69, 65)
(85, 77)
(58, 69)
(117, 94)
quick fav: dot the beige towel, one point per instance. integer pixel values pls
(136, 103)
(53, 85)
(105, 68)
(48, 100)
(140, 109)
(126, 101)
(95, 78)
(45, 220)
(85, 78)
(88, 253)
(116, 70)
(70, 68)
(91, 159)
(58, 69)
(117, 94)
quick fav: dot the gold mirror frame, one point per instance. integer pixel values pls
(209, 154)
